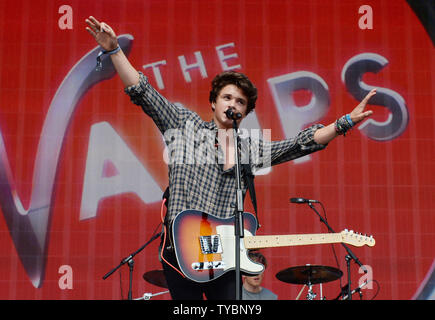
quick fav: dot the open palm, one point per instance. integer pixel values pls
(102, 33)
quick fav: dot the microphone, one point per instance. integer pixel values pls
(232, 115)
(302, 200)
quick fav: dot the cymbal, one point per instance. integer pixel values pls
(156, 277)
(309, 274)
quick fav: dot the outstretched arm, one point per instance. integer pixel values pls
(106, 38)
(328, 133)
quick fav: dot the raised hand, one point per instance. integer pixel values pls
(102, 33)
(358, 114)
(326, 134)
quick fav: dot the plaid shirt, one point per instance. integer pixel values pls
(197, 179)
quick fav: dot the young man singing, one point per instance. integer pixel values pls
(207, 182)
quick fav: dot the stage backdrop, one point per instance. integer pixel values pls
(82, 169)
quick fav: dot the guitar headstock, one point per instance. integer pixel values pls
(356, 239)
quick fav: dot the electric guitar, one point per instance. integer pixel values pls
(205, 245)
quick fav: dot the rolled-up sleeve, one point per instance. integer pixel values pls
(268, 153)
(166, 115)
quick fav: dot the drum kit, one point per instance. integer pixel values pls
(309, 275)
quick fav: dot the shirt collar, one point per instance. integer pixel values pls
(211, 125)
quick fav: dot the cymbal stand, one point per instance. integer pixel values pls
(310, 295)
(300, 292)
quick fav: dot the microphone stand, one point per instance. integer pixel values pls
(129, 260)
(350, 255)
(238, 214)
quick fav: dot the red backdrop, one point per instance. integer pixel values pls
(374, 186)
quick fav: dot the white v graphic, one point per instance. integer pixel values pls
(28, 228)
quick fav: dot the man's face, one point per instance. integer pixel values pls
(254, 281)
(232, 97)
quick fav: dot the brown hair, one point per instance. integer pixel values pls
(257, 256)
(238, 79)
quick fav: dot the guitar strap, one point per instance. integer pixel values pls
(249, 179)
(166, 197)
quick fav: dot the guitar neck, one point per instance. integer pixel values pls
(258, 242)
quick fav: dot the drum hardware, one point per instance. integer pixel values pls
(311, 295)
(309, 275)
(148, 296)
(157, 278)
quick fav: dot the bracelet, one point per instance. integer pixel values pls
(112, 51)
(99, 66)
(349, 120)
(343, 124)
(338, 128)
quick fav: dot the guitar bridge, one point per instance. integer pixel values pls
(208, 265)
(210, 244)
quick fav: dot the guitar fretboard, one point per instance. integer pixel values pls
(258, 242)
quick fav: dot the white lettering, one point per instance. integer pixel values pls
(223, 58)
(294, 118)
(368, 278)
(66, 280)
(107, 150)
(66, 20)
(224, 55)
(185, 68)
(156, 71)
(241, 309)
(186, 310)
(366, 20)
